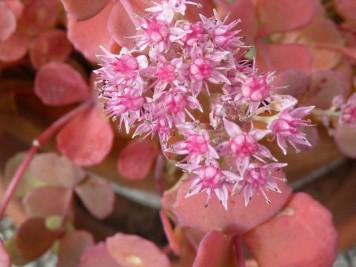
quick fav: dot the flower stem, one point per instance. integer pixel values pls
(36, 145)
(158, 173)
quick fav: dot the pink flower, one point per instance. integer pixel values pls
(348, 112)
(285, 127)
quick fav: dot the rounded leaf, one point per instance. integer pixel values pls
(33, 238)
(56, 170)
(345, 139)
(72, 246)
(97, 255)
(134, 251)
(136, 159)
(83, 9)
(60, 84)
(86, 139)
(300, 235)
(191, 211)
(97, 195)
(14, 48)
(48, 47)
(7, 21)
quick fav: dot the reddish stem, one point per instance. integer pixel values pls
(240, 257)
(158, 173)
(36, 145)
(65, 211)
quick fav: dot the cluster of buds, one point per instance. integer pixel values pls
(158, 87)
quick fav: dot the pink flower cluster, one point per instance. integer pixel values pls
(158, 87)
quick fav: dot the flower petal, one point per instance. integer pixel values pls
(60, 84)
(303, 229)
(87, 139)
(84, 9)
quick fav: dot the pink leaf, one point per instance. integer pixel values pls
(7, 22)
(283, 57)
(87, 139)
(97, 195)
(291, 82)
(89, 42)
(212, 250)
(347, 9)
(168, 231)
(14, 48)
(301, 235)
(60, 84)
(56, 170)
(72, 246)
(4, 256)
(97, 256)
(133, 251)
(284, 15)
(50, 46)
(345, 139)
(191, 212)
(84, 9)
(40, 201)
(136, 159)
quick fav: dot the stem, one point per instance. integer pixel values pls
(65, 212)
(36, 145)
(240, 257)
(158, 173)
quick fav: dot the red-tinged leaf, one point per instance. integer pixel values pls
(60, 84)
(33, 238)
(168, 231)
(345, 139)
(134, 251)
(89, 42)
(72, 246)
(191, 212)
(212, 250)
(14, 253)
(37, 16)
(39, 202)
(56, 170)
(284, 15)
(16, 7)
(241, 10)
(301, 235)
(97, 195)
(96, 256)
(193, 12)
(324, 86)
(50, 46)
(283, 57)
(136, 159)
(347, 9)
(4, 256)
(87, 139)
(7, 21)
(27, 181)
(84, 9)
(14, 48)
(291, 82)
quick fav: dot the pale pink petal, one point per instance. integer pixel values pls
(347, 9)
(87, 139)
(345, 137)
(4, 256)
(212, 250)
(87, 41)
(284, 15)
(84, 9)
(39, 202)
(14, 48)
(300, 235)
(136, 159)
(282, 57)
(191, 212)
(7, 21)
(97, 196)
(34, 229)
(56, 170)
(50, 46)
(97, 256)
(60, 84)
(132, 251)
(38, 15)
(72, 246)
